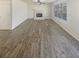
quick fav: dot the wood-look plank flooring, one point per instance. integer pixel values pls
(38, 39)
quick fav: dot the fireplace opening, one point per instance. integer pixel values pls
(39, 15)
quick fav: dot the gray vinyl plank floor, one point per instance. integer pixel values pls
(38, 39)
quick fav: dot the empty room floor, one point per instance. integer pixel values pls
(38, 38)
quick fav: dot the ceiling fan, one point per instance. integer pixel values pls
(39, 2)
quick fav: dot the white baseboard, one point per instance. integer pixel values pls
(13, 27)
(68, 30)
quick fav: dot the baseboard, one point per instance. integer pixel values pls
(70, 32)
(30, 18)
(18, 25)
(5, 29)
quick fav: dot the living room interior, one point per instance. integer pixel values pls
(39, 28)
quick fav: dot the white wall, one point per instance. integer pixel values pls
(72, 23)
(5, 14)
(29, 8)
(19, 12)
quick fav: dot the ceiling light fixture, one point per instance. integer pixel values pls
(39, 1)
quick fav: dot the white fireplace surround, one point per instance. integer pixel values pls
(39, 11)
